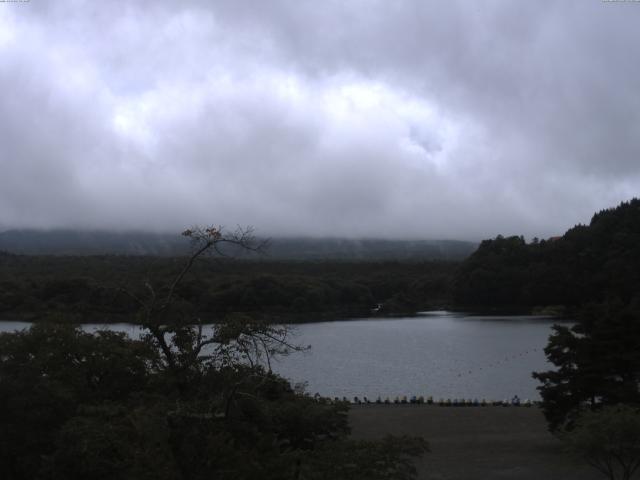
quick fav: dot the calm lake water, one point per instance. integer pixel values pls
(442, 354)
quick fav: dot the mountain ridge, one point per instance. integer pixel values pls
(95, 242)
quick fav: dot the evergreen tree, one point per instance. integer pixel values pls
(598, 364)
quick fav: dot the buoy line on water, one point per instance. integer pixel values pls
(498, 363)
(421, 400)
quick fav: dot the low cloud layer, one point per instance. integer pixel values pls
(363, 118)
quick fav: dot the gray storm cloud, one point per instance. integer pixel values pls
(366, 118)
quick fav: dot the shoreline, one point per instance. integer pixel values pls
(283, 319)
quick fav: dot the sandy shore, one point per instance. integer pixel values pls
(475, 442)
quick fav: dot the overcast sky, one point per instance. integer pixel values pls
(421, 119)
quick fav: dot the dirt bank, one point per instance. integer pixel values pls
(475, 442)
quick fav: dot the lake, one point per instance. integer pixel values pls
(443, 354)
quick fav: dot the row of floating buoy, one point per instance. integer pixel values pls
(499, 363)
(421, 400)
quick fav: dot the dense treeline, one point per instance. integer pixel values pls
(90, 288)
(589, 263)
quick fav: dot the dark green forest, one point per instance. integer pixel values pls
(90, 288)
(589, 263)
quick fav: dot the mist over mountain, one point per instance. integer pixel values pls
(75, 242)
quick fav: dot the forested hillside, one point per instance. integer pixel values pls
(589, 263)
(90, 288)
